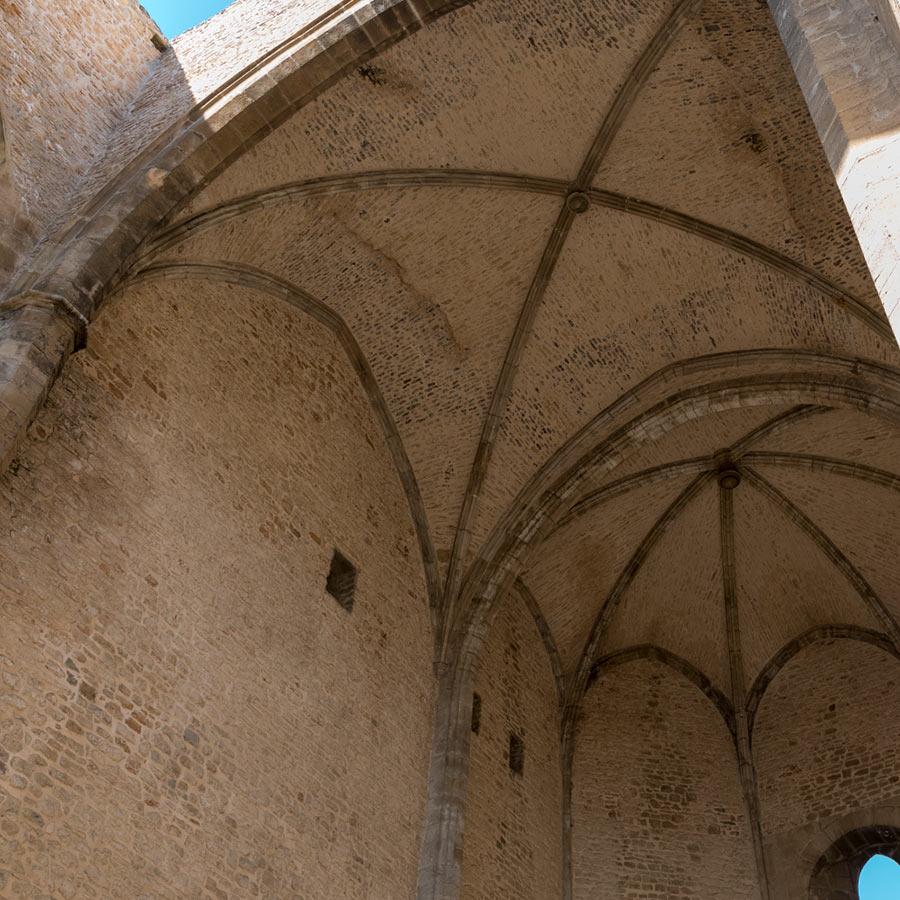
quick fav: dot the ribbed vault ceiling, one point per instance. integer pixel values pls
(513, 220)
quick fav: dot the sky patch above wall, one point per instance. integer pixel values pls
(175, 16)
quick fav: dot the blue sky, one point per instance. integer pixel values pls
(879, 880)
(175, 16)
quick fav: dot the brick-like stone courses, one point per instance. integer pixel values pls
(859, 517)
(738, 146)
(67, 72)
(574, 570)
(826, 735)
(657, 807)
(678, 606)
(428, 102)
(785, 583)
(517, 86)
(200, 61)
(843, 434)
(437, 345)
(612, 317)
(512, 844)
(700, 437)
(184, 711)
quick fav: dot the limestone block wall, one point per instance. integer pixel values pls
(512, 843)
(68, 70)
(185, 712)
(825, 745)
(657, 808)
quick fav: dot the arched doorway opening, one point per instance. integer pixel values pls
(864, 864)
(879, 879)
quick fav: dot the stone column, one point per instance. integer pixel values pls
(37, 334)
(846, 55)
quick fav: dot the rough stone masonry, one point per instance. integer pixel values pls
(450, 450)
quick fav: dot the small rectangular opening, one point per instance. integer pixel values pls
(341, 583)
(516, 754)
(476, 713)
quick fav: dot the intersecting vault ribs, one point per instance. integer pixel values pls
(574, 204)
(728, 466)
(168, 236)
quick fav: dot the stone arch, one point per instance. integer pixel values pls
(284, 194)
(225, 460)
(80, 260)
(279, 289)
(756, 377)
(789, 651)
(626, 776)
(836, 874)
(678, 664)
(825, 754)
(718, 381)
(49, 302)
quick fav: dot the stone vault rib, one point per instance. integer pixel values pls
(546, 636)
(815, 463)
(576, 202)
(267, 283)
(691, 466)
(876, 321)
(581, 679)
(705, 469)
(673, 661)
(81, 253)
(731, 379)
(856, 579)
(792, 648)
(379, 179)
(680, 467)
(630, 89)
(746, 769)
(824, 379)
(271, 198)
(738, 719)
(622, 583)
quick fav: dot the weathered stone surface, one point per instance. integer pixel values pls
(184, 710)
(36, 337)
(68, 71)
(479, 298)
(512, 842)
(847, 64)
(657, 805)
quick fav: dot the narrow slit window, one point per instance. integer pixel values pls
(476, 713)
(341, 583)
(516, 754)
